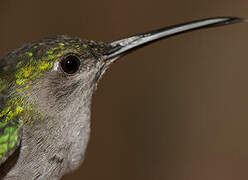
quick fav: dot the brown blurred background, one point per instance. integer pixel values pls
(174, 110)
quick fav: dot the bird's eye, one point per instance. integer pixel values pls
(70, 64)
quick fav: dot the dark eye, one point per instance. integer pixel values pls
(70, 64)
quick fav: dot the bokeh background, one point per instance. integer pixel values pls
(174, 110)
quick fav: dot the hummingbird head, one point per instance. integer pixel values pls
(58, 73)
(55, 72)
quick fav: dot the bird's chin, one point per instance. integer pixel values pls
(105, 66)
(108, 63)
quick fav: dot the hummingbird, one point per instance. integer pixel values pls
(46, 90)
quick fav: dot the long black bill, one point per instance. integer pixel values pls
(124, 46)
